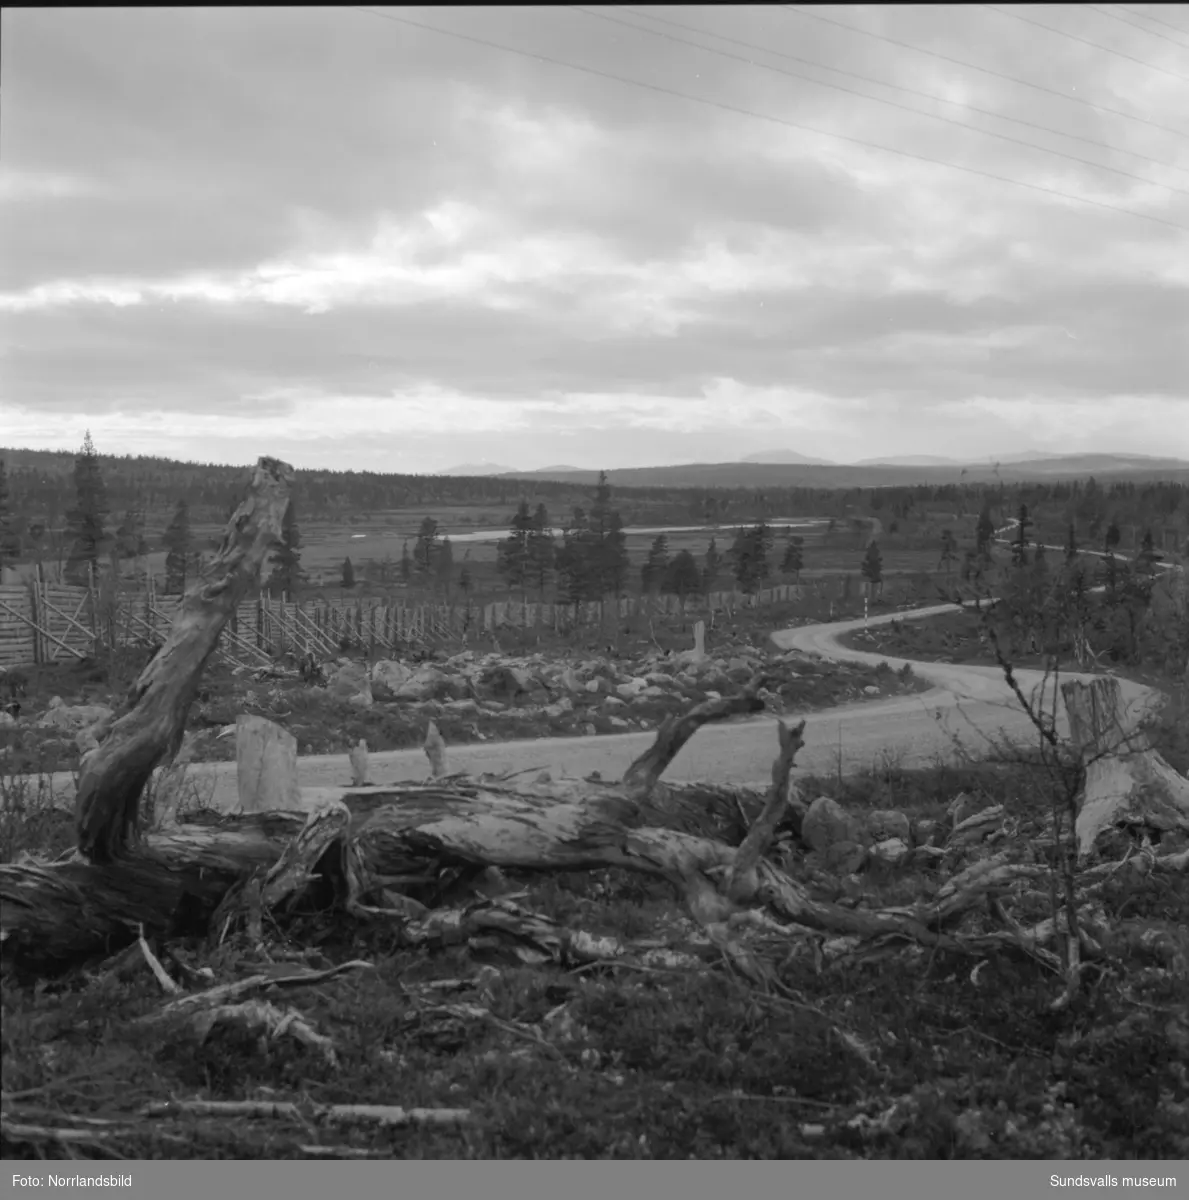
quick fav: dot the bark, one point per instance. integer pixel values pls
(152, 723)
(1126, 781)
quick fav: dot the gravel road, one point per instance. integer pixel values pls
(970, 702)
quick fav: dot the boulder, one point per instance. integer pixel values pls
(884, 823)
(827, 823)
(391, 674)
(73, 717)
(593, 685)
(421, 685)
(569, 680)
(350, 682)
(871, 690)
(266, 765)
(844, 857)
(891, 851)
(632, 687)
(499, 681)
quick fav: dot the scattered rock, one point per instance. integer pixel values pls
(391, 674)
(73, 717)
(872, 690)
(828, 823)
(266, 765)
(891, 851)
(350, 682)
(844, 856)
(884, 823)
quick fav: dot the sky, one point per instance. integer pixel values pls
(351, 241)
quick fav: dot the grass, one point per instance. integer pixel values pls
(909, 1057)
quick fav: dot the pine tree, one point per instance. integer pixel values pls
(425, 548)
(616, 563)
(542, 553)
(406, 563)
(178, 548)
(287, 575)
(1019, 546)
(682, 577)
(1146, 559)
(1071, 543)
(513, 553)
(130, 539)
(10, 542)
(574, 560)
(749, 555)
(1112, 537)
(984, 533)
(949, 551)
(444, 565)
(85, 523)
(872, 567)
(652, 574)
(711, 567)
(348, 573)
(793, 560)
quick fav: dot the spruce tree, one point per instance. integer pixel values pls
(178, 550)
(712, 566)
(513, 553)
(425, 548)
(652, 574)
(793, 560)
(542, 553)
(287, 575)
(10, 543)
(872, 567)
(86, 532)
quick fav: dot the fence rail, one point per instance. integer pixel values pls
(46, 623)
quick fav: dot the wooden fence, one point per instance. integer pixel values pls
(45, 622)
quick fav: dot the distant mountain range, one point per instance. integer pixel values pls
(482, 468)
(786, 456)
(878, 474)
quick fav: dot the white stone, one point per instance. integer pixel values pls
(266, 765)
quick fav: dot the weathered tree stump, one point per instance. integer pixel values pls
(152, 722)
(1126, 781)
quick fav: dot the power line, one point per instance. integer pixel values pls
(655, 87)
(1004, 137)
(1073, 37)
(1148, 17)
(985, 70)
(1141, 28)
(910, 91)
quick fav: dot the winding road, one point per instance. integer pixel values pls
(970, 704)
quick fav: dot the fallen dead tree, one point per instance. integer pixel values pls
(410, 854)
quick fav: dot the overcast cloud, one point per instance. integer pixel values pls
(350, 242)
